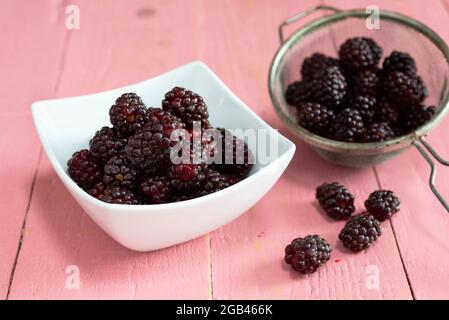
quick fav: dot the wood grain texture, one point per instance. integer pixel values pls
(422, 225)
(247, 255)
(32, 46)
(115, 45)
(59, 235)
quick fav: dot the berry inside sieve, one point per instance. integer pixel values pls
(395, 32)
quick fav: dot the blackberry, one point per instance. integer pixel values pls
(399, 61)
(360, 232)
(306, 255)
(315, 64)
(417, 116)
(84, 169)
(335, 200)
(386, 112)
(359, 53)
(366, 105)
(128, 113)
(149, 148)
(215, 181)
(365, 82)
(297, 92)
(119, 170)
(186, 105)
(382, 204)
(236, 158)
(186, 178)
(348, 125)
(106, 143)
(329, 87)
(119, 195)
(378, 131)
(404, 89)
(315, 117)
(158, 189)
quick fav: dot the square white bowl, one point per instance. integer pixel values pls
(66, 125)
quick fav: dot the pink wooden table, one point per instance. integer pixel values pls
(43, 232)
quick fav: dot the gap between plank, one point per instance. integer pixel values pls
(396, 241)
(67, 37)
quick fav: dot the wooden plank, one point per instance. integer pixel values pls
(247, 255)
(422, 226)
(117, 44)
(32, 46)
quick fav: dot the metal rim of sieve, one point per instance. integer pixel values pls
(416, 138)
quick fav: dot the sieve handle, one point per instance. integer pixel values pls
(301, 15)
(422, 145)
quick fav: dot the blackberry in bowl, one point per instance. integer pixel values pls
(360, 232)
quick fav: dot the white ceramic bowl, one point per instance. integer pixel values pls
(66, 125)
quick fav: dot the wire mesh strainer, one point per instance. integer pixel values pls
(397, 32)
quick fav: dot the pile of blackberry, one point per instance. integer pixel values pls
(130, 163)
(352, 99)
(306, 255)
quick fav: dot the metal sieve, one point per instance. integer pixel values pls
(396, 32)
